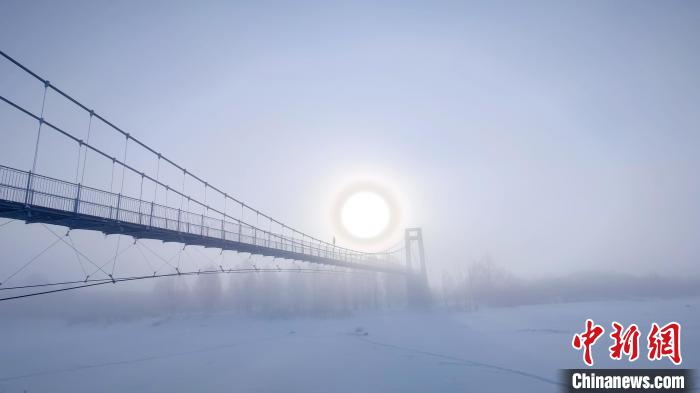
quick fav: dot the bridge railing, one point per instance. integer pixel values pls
(40, 191)
(230, 226)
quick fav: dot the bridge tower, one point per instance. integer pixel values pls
(417, 283)
(414, 236)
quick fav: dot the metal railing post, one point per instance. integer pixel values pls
(77, 200)
(119, 202)
(150, 218)
(178, 220)
(140, 212)
(27, 197)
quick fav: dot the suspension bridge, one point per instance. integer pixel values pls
(179, 215)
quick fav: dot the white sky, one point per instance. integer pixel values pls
(551, 136)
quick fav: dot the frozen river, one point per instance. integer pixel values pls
(489, 350)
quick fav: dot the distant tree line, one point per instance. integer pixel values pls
(484, 283)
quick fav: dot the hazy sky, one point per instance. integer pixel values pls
(551, 136)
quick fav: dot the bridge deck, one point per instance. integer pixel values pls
(36, 198)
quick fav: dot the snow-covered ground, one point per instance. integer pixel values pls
(489, 350)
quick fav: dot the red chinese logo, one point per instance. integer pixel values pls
(625, 343)
(586, 340)
(662, 342)
(665, 342)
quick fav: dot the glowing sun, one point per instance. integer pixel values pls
(365, 214)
